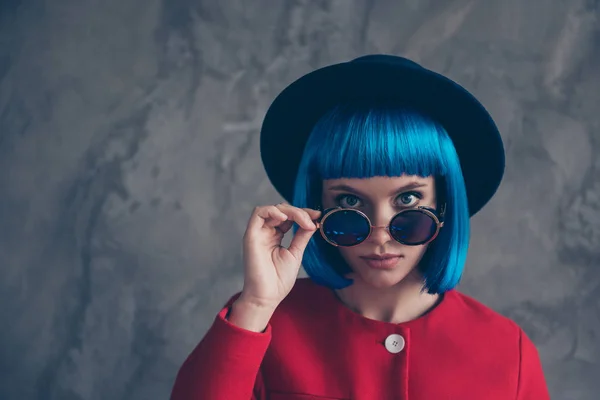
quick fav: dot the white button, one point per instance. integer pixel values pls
(394, 343)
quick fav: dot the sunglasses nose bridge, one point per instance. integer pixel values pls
(386, 227)
(385, 219)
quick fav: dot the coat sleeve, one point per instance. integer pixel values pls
(532, 384)
(225, 364)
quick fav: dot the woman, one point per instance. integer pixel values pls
(382, 162)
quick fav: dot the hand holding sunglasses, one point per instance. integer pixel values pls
(270, 269)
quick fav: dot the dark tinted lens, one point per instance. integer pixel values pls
(413, 227)
(346, 228)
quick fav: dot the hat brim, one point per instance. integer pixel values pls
(292, 115)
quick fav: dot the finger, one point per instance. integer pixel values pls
(300, 216)
(261, 215)
(276, 220)
(313, 214)
(285, 226)
(299, 242)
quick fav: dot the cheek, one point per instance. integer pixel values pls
(415, 253)
(351, 256)
(348, 253)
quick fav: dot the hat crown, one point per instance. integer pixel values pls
(386, 59)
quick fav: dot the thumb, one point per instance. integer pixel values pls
(299, 242)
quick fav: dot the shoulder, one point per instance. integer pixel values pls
(304, 297)
(474, 313)
(496, 340)
(304, 286)
(484, 319)
(305, 305)
(479, 324)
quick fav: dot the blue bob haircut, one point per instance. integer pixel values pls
(363, 140)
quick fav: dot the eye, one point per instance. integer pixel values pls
(347, 201)
(409, 199)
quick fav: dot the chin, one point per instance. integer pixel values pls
(382, 279)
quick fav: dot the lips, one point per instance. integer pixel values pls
(381, 261)
(380, 257)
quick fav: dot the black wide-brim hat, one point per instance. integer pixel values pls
(293, 114)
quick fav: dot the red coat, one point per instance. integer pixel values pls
(316, 348)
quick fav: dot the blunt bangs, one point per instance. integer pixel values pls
(361, 140)
(353, 142)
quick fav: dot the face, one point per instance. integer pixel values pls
(380, 198)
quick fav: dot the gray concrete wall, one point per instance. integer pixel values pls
(129, 165)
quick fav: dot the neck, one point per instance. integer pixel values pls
(400, 303)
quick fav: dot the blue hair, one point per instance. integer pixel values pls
(363, 140)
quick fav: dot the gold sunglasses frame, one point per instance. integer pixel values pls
(430, 212)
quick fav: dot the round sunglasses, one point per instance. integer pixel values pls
(347, 227)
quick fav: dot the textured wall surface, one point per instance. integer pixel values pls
(129, 166)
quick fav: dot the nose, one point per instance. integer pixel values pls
(379, 232)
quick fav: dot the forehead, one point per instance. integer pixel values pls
(380, 185)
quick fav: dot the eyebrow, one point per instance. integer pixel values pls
(346, 188)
